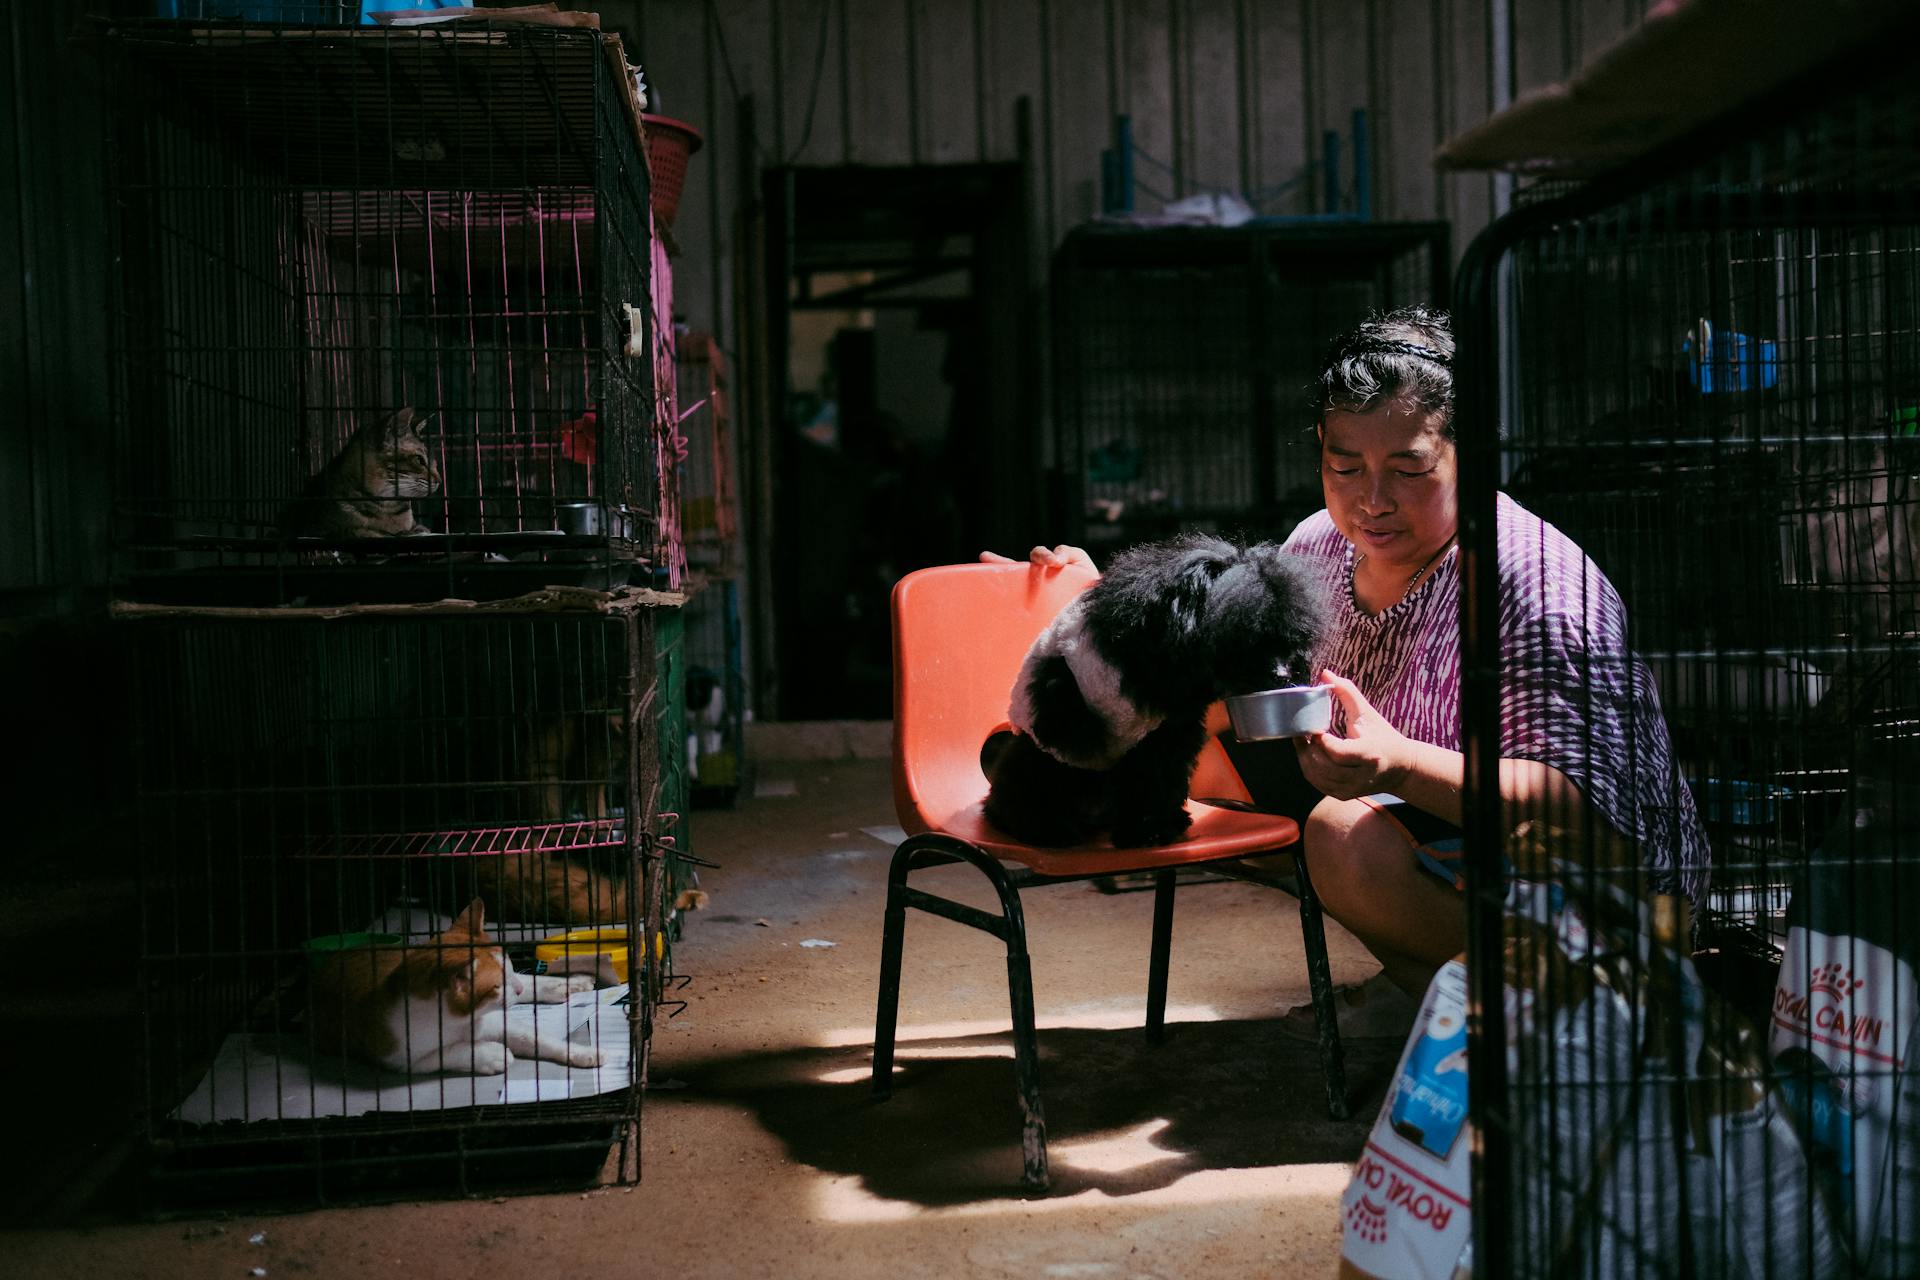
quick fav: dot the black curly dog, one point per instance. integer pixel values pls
(1109, 710)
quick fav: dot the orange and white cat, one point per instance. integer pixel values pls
(439, 1005)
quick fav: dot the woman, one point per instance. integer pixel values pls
(1581, 731)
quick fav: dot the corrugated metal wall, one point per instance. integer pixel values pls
(1225, 93)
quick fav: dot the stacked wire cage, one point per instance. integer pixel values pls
(1184, 359)
(396, 520)
(314, 794)
(1705, 370)
(381, 322)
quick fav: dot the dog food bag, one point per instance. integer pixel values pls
(1846, 1028)
(1405, 1210)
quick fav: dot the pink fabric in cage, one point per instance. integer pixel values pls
(580, 439)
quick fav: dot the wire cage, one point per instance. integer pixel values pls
(672, 790)
(382, 324)
(1706, 373)
(1185, 357)
(318, 805)
(716, 695)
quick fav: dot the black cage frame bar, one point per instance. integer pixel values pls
(1831, 154)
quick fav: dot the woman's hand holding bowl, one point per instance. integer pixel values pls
(1372, 757)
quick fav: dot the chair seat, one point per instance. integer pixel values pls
(1216, 833)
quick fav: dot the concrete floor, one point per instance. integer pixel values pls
(763, 1154)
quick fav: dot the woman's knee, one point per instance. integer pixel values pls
(1341, 853)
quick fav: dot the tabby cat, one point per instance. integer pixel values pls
(437, 1006)
(549, 888)
(568, 757)
(368, 488)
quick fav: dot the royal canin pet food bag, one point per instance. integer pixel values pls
(1405, 1210)
(1846, 1029)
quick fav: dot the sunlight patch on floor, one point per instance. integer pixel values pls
(911, 1053)
(1120, 1016)
(844, 1198)
(1134, 1149)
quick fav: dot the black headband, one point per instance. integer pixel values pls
(1440, 358)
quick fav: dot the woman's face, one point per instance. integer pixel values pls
(1390, 477)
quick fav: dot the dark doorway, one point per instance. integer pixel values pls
(906, 429)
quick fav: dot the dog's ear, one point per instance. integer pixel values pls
(1061, 717)
(1190, 594)
(1149, 617)
(1268, 612)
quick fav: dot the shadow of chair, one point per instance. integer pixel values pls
(960, 633)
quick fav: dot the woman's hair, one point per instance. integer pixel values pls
(1407, 351)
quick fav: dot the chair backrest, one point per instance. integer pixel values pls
(960, 633)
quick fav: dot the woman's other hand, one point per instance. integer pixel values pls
(1047, 557)
(1372, 757)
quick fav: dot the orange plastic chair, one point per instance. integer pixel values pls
(960, 633)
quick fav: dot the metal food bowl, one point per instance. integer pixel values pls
(1281, 713)
(581, 518)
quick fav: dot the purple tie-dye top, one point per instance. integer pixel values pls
(1572, 694)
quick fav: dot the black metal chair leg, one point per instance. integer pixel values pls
(1320, 982)
(1157, 965)
(887, 1017)
(1010, 926)
(1026, 1065)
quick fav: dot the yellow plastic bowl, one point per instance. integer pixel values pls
(611, 941)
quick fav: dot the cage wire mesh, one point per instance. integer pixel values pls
(716, 694)
(1185, 359)
(1712, 388)
(319, 803)
(381, 321)
(671, 784)
(709, 507)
